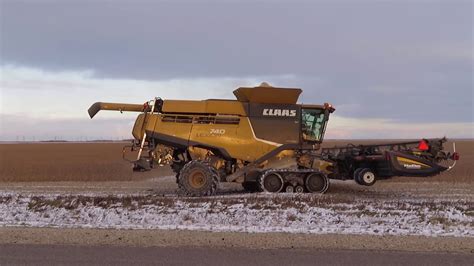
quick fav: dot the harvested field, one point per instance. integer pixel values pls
(251, 213)
(103, 162)
(388, 208)
(66, 162)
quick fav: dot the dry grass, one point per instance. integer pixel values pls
(103, 162)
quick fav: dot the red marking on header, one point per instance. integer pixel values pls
(423, 146)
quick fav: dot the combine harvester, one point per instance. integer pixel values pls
(265, 141)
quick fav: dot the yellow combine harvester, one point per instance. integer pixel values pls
(264, 140)
(206, 142)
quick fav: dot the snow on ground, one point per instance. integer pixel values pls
(315, 214)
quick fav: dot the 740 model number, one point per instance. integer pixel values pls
(212, 133)
(215, 131)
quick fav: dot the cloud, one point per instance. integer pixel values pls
(405, 61)
(68, 94)
(44, 104)
(353, 128)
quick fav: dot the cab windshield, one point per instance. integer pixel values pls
(313, 124)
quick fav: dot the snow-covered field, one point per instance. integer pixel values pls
(314, 214)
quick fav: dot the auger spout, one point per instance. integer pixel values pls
(122, 107)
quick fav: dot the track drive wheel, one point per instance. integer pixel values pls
(271, 182)
(198, 178)
(366, 177)
(356, 175)
(316, 183)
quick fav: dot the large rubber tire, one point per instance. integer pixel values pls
(251, 186)
(197, 179)
(366, 177)
(316, 183)
(271, 182)
(356, 175)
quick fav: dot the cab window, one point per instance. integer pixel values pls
(312, 124)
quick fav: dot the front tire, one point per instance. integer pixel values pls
(197, 179)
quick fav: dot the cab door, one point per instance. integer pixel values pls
(313, 124)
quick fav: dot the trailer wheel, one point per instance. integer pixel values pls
(316, 183)
(356, 175)
(198, 178)
(366, 177)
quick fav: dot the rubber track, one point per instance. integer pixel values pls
(289, 170)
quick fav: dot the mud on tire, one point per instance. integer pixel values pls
(197, 178)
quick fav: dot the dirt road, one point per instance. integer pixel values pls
(109, 255)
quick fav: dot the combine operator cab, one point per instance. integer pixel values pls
(313, 122)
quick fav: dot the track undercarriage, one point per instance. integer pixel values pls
(198, 178)
(293, 180)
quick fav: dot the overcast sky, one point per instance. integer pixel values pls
(401, 69)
